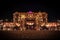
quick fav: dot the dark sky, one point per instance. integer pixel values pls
(7, 8)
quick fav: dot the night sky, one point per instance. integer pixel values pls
(7, 8)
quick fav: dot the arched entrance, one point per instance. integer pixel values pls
(30, 23)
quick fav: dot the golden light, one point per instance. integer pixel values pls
(30, 16)
(43, 24)
(51, 25)
(22, 16)
(18, 24)
(30, 23)
(48, 25)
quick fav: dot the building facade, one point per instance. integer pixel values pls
(30, 19)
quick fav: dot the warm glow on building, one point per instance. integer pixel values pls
(51, 24)
(30, 18)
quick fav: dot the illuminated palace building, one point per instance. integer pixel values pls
(30, 20)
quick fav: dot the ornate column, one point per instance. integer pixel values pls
(23, 22)
(37, 23)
